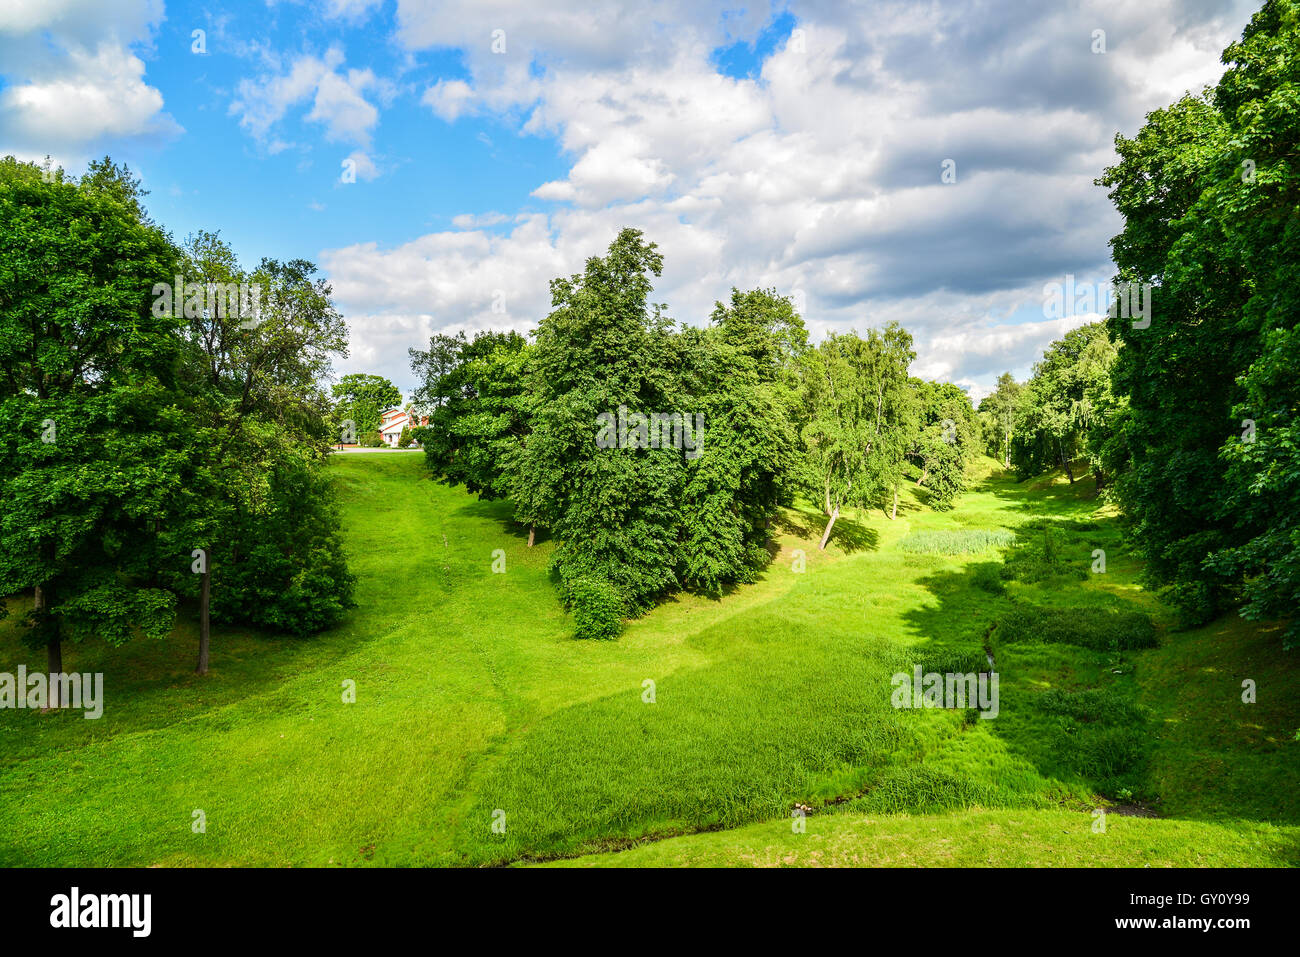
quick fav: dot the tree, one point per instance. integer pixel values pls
(946, 437)
(860, 419)
(1202, 454)
(1058, 407)
(362, 399)
(604, 350)
(86, 373)
(263, 431)
(450, 390)
(1002, 406)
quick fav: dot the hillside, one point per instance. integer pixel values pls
(472, 699)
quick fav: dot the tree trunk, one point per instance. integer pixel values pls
(53, 651)
(532, 535)
(204, 630)
(894, 514)
(925, 472)
(1069, 471)
(829, 525)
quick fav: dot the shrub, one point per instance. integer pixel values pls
(598, 608)
(988, 576)
(1101, 629)
(404, 440)
(370, 440)
(283, 567)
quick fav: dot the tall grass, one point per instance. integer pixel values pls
(962, 541)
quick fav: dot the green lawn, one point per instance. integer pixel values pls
(472, 699)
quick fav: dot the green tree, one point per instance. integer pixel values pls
(1002, 406)
(1202, 454)
(362, 399)
(860, 420)
(1058, 407)
(86, 375)
(946, 439)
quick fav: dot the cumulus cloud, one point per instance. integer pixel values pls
(820, 175)
(338, 98)
(72, 79)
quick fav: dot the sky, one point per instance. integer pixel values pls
(929, 163)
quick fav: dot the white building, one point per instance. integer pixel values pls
(393, 421)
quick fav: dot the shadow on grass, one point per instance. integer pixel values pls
(1084, 718)
(850, 535)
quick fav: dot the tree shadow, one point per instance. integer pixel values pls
(1076, 715)
(849, 534)
(502, 512)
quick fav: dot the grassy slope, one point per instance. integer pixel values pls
(471, 698)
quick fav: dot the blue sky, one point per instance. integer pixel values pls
(497, 145)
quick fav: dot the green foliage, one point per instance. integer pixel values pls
(87, 395)
(1098, 628)
(861, 418)
(1042, 551)
(946, 438)
(689, 505)
(281, 564)
(598, 608)
(1207, 190)
(999, 414)
(474, 395)
(363, 399)
(1064, 402)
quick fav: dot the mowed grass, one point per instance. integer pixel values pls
(970, 838)
(474, 706)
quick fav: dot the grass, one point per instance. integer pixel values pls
(965, 541)
(708, 718)
(974, 838)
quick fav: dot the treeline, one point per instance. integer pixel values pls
(162, 440)
(1191, 420)
(657, 455)
(1062, 414)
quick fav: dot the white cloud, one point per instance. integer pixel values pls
(72, 77)
(449, 98)
(821, 175)
(338, 98)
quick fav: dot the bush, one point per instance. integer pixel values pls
(598, 608)
(988, 576)
(1101, 629)
(370, 440)
(404, 440)
(283, 567)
